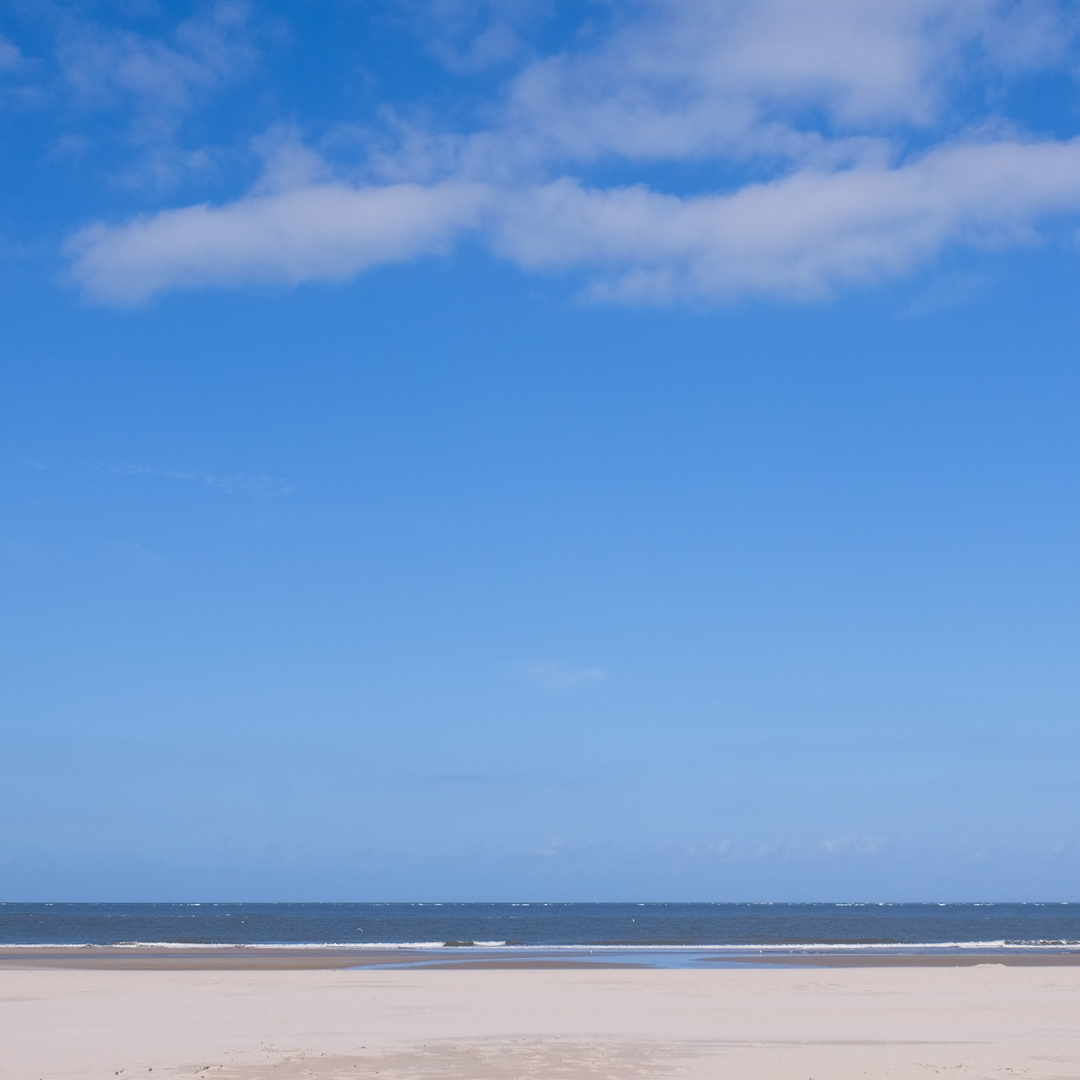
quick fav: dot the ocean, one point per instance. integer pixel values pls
(624, 926)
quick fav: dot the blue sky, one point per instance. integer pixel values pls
(522, 450)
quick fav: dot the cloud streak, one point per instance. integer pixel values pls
(262, 487)
(560, 677)
(327, 232)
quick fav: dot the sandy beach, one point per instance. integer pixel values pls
(888, 1021)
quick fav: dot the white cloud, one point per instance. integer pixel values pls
(801, 235)
(288, 164)
(815, 104)
(325, 232)
(796, 236)
(692, 78)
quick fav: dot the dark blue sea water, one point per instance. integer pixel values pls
(867, 926)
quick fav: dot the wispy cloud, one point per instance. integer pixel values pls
(20, 77)
(461, 779)
(15, 551)
(160, 78)
(262, 487)
(141, 561)
(850, 123)
(10, 56)
(549, 676)
(469, 36)
(87, 64)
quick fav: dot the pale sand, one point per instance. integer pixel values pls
(758, 1024)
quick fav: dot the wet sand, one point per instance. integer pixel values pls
(315, 958)
(892, 1022)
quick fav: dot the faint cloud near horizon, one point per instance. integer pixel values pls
(853, 847)
(551, 676)
(261, 487)
(555, 846)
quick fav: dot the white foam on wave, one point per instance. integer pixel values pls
(922, 946)
(360, 946)
(253, 945)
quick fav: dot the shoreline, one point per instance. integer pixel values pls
(239, 957)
